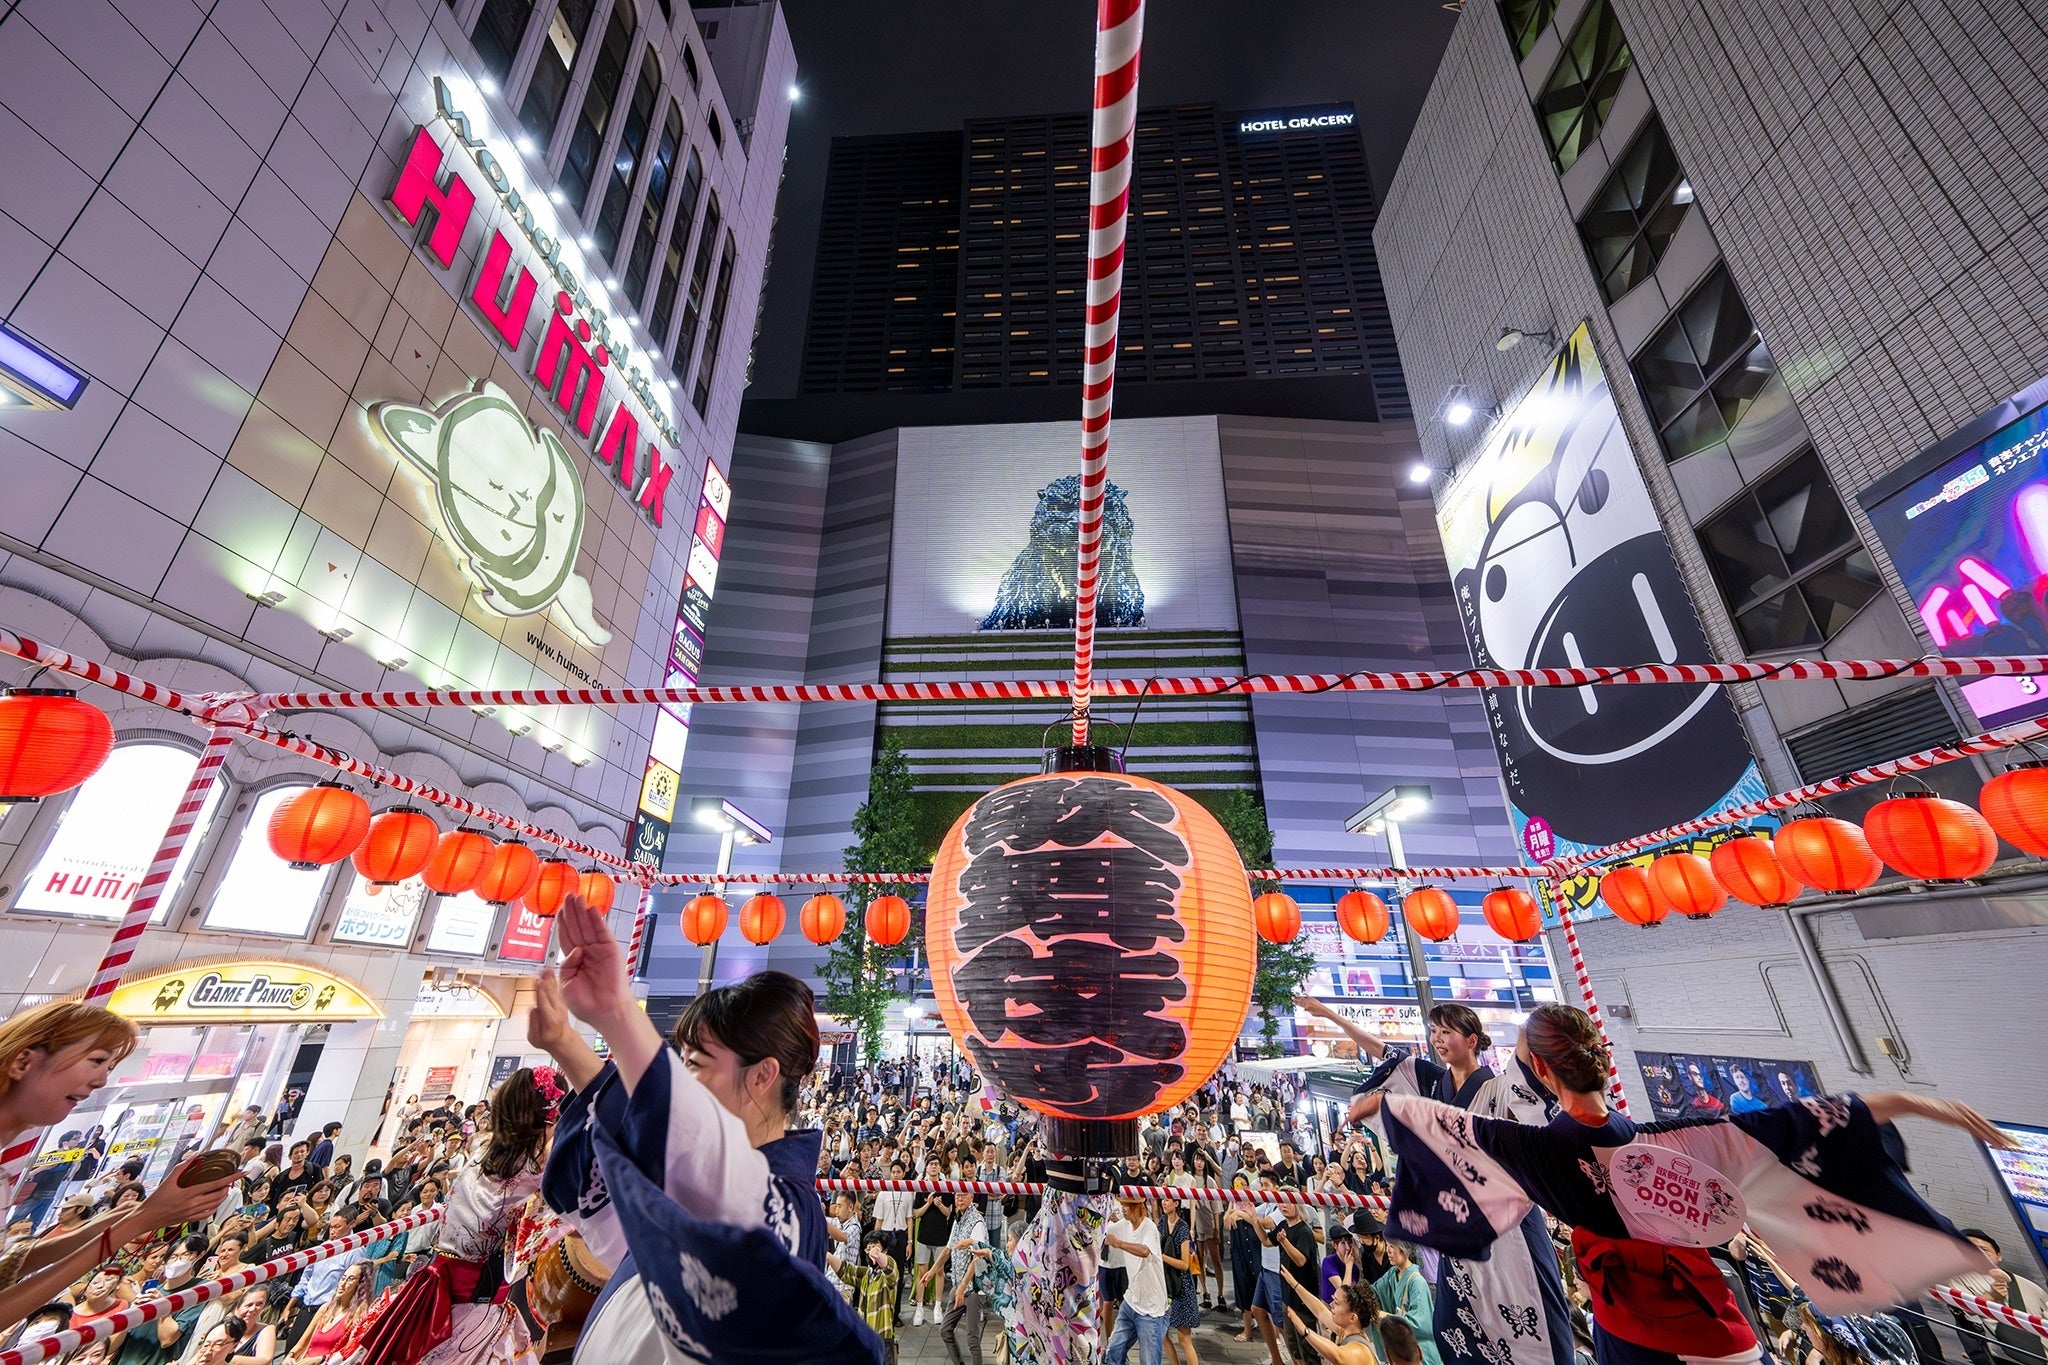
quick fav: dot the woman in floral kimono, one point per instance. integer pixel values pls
(681, 1171)
(1823, 1180)
(1508, 1306)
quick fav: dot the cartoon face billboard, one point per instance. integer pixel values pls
(1559, 561)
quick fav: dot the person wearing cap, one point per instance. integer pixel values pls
(1143, 1316)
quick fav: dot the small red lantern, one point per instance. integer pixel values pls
(1277, 917)
(1430, 912)
(704, 919)
(1685, 882)
(1930, 838)
(50, 741)
(1363, 916)
(823, 918)
(597, 889)
(1627, 892)
(888, 920)
(2016, 804)
(1511, 912)
(319, 826)
(458, 861)
(1750, 871)
(509, 873)
(1827, 854)
(552, 884)
(762, 918)
(398, 845)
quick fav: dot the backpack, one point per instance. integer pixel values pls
(1664, 1297)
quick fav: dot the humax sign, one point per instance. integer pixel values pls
(1311, 119)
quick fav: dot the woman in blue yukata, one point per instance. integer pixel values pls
(1822, 1180)
(1506, 1306)
(678, 1166)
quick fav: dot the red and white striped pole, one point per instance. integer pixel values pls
(1119, 33)
(1992, 1309)
(1563, 908)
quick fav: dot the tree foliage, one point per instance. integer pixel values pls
(1282, 966)
(858, 974)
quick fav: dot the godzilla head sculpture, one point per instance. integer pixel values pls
(1037, 591)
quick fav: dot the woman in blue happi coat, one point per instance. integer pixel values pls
(679, 1167)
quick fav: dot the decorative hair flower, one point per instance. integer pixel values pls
(551, 1088)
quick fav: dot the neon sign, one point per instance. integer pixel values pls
(1298, 120)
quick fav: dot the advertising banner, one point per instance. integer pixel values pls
(526, 936)
(242, 991)
(1690, 1085)
(1559, 561)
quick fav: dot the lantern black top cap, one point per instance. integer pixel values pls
(37, 691)
(715, 812)
(1392, 806)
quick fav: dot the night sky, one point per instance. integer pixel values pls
(901, 66)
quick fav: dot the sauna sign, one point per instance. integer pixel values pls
(576, 349)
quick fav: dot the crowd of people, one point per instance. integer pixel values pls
(659, 1199)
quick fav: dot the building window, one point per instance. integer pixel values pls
(106, 838)
(1525, 21)
(1575, 103)
(611, 217)
(1707, 370)
(658, 177)
(579, 168)
(716, 130)
(714, 330)
(543, 103)
(1787, 560)
(261, 893)
(700, 282)
(499, 27)
(678, 246)
(1636, 213)
(690, 66)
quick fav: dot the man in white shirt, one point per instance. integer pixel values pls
(892, 1220)
(961, 1329)
(1143, 1318)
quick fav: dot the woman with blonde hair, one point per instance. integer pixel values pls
(329, 1329)
(52, 1059)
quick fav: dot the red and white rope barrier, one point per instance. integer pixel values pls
(1988, 742)
(36, 652)
(1281, 874)
(1992, 1309)
(1571, 942)
(1322, 1199)
(151, 1310)
(1119, 35)
(1059, 689)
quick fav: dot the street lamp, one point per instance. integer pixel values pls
(1383, 816)
(734, 827)
(912, 1014)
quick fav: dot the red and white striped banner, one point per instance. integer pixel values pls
(1322, 1199)
(1119, 35)
(1571, 942)
(1059, 689)
(1992, 1309)
(143, 1311)
(35, 652)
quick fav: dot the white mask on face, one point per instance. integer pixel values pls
(177, 1268)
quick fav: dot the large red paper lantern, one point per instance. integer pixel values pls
(554, 883)
(1430, 912)
(319, 826)
(1277, 917)
(1749, 869)
(1827, 854)
(509, 873)
(888, 920)
(458, 861)
(1363, 916)
(1685, 882)
(1930, 838)
(597, 889)
(50, 741)
(398, 845)
(1627, 892)
(1511, 912)
(2016, 804)
(762, 918)
(823, 918)
(704, 919)
(1091, 941)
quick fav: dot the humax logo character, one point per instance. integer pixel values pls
(508, 497)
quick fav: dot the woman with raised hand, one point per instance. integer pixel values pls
(52, 1059)
(1823, 1180)
(1347, 1321)
(679, 1167)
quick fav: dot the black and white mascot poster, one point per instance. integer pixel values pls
(1559, 562)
